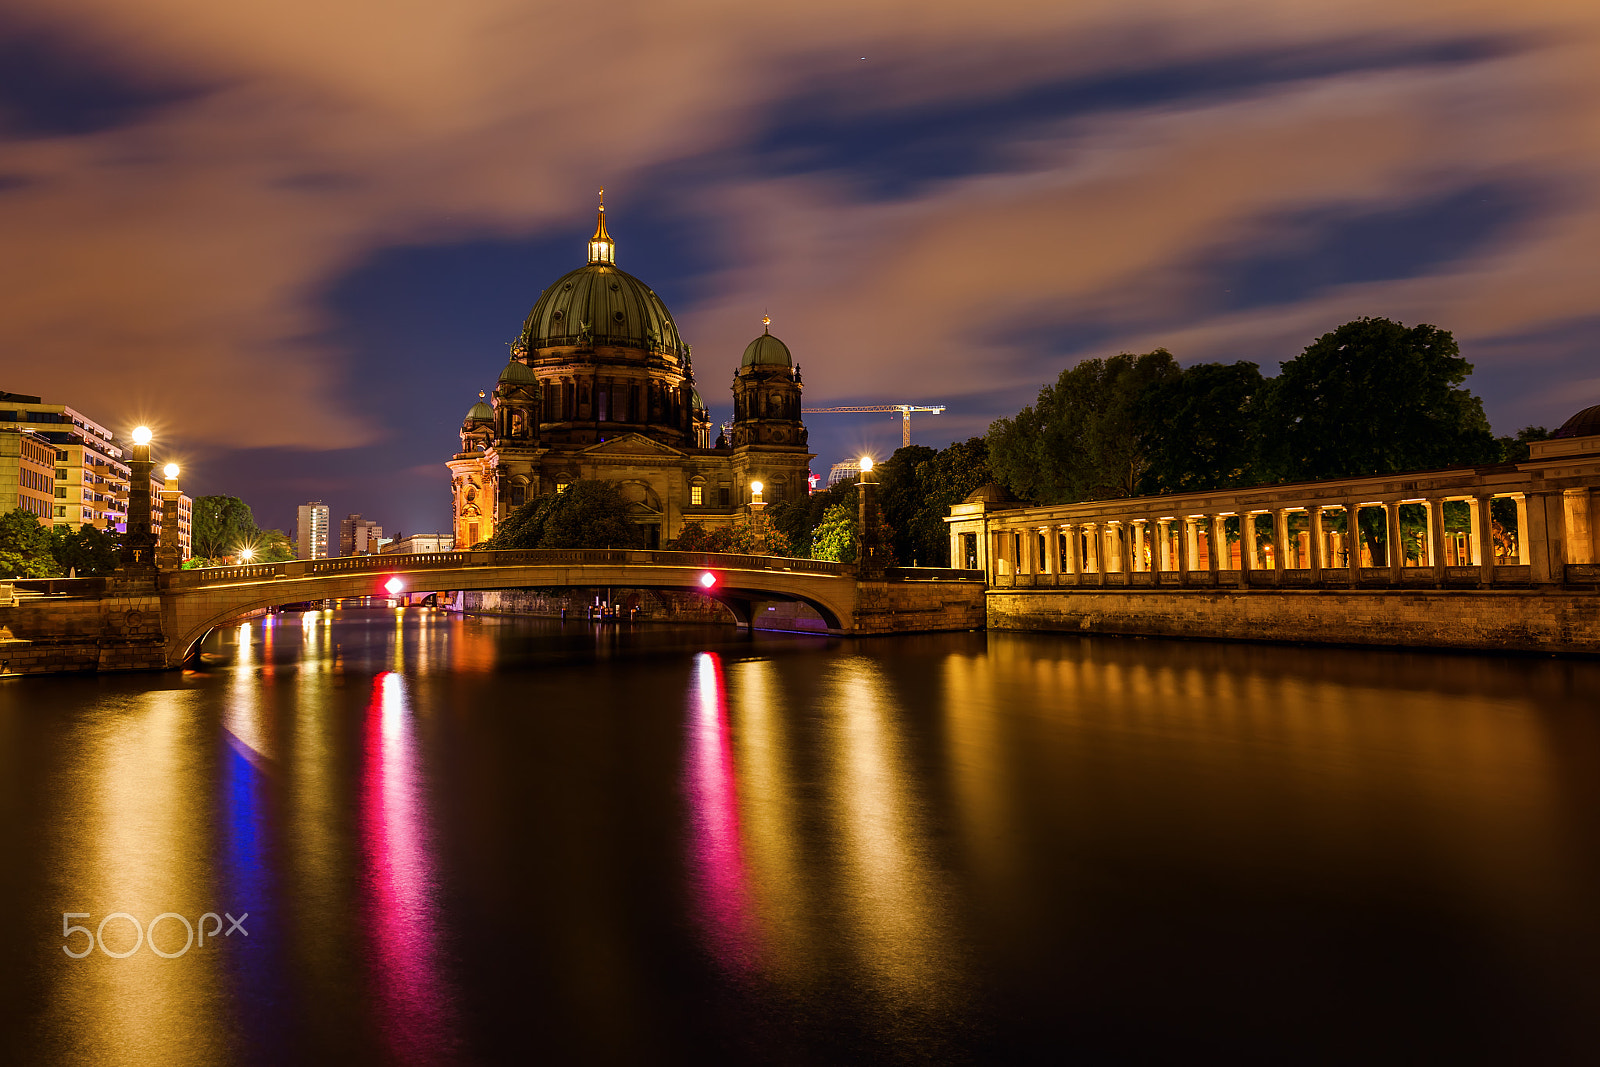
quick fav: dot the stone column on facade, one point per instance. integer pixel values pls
(1483, 524)
(1544, 551)
(1352, 541)
(1436, 537)
(1393, 557)
(1053, 549)
(1319, 544)
(1522, 527)
(1474, 544)
(1068, 533)
(1191, 538)
(1139, 564)
(1280, 544)
(1576, 514)
(1247, 546)
(1184, 561)
(1217, 545)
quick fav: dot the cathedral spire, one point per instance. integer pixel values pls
(602, 249)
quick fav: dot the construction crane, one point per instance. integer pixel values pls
(904, 411)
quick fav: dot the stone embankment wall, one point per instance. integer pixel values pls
(901, 607)
(654, 605)
(48, 635)
(1497, 620)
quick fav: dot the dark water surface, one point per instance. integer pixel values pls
(509, 841)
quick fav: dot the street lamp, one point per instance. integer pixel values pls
(141, 435)
(755, 492)
(866, 464)
(170, 470)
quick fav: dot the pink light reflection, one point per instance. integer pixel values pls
(401, 913)
(716, 852)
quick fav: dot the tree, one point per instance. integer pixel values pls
(1515, 449)
(1088, 435)
(25, 547)
(584, 515)
(1372, 397)
(835, 536)
(918, 486)
(86, 552)
(1202, 428)
(273, 546)
(221, 526)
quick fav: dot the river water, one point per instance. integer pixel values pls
(449, 840)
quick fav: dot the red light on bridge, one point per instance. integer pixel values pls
(394, 585)
(708, 579)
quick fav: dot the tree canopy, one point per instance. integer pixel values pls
(221, 526)
(1371, 397)
(917, 488)
(25, 549)
(584, 515)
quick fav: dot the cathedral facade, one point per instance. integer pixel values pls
(600, 387)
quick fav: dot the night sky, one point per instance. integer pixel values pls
(296, 238)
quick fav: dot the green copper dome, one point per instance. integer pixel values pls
(597, 304)
(518, 373)
(480, 410)
(766, 351)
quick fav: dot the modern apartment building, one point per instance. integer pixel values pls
(358, 536)
(89, 473)
(27, 473)
(311, 531)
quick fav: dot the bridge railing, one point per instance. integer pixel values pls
(511, 557)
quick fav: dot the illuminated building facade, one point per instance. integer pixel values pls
(600, 387)
(90, 475)
(27, 473)
(358, 536)
(311, 531)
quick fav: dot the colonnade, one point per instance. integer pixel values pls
(1200, 547)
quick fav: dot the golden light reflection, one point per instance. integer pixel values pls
(899, 931)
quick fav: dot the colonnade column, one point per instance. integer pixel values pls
(1138, 545)
(1052, 546)
(1391, 548)
(1247, 546)
(1158, 545)
(1216, 546)
(1319, 543)
(1280, 544)
(1436, 537)
(1483, 537)
(1091, 539)
(1191, 539)
(1352, 541)
(1576, 519)
(1522, 528)
(1185, 559)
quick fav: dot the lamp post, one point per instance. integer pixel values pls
(871, 553)
(169, 556)
(139, 542)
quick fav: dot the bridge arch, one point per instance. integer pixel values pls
(196, 602)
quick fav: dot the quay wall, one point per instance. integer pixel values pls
(54, 636)
(1516, 620)
(918, 607)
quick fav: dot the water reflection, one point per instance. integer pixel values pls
(716, 850)
(401, 914)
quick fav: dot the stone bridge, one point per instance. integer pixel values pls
(111, 624)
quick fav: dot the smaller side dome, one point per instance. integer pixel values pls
(518, 373)
(1585, 423)
(989, 493)
(766, 351)
(480, 412)
(695, 403)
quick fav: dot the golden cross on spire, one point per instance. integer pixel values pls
(766, 322)
(602, 198)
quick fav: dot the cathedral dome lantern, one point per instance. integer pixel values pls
(602, 249)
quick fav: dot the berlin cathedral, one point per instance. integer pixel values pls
(600, 387)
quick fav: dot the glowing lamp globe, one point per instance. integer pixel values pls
(866, 463)
(708, 579)
(755, 487)
(247, 554)
(170, 470)
(141, 435)
(394, 585)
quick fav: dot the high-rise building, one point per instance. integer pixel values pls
(311, 531)
(358, 536)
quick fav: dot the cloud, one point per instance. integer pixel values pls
(921, 225)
